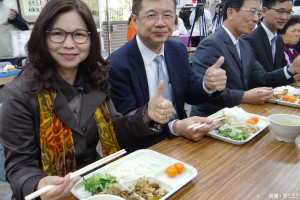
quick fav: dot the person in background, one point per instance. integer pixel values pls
(290, 35)
(247, 82)
(267, 45)
(202, 25)
(179, 28)
(138, 66)
(10, 20)
(130, 29)
(217, 20)
(61, 108)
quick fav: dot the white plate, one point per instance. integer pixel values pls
(153, 158)
(286, 103)
(79, 192)
(262, 124)
(104, 197)
(161, 184)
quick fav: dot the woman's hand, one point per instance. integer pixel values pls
(159, 109)
(62, 188)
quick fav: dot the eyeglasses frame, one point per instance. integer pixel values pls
(251, 12)
(156, 18)
(280, 12)
(89, 33)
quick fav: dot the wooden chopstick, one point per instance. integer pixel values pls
(199, 125)
(78, 173)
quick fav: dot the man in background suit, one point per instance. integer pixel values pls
(276, 13)
(133, 74)
(247, 81)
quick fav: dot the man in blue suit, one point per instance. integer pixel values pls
(276, 14)
(247, 80)
(133, 74)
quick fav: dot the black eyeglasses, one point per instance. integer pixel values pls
(59, 36)
(282, 11)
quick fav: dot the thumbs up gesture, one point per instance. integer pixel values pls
(159, 109)
(215, 77)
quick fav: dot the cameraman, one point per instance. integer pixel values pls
(202, 23)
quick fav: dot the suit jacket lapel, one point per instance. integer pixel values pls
(244, 60)
(63, 112)
(136, 60)
(266, 44)
(230, 46)
(90, 102)
(171, 62)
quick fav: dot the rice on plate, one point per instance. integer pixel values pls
(133, 169)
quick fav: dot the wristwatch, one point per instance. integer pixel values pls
(289, 71)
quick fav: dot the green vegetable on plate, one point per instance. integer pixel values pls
(99, 183)
(234, 134)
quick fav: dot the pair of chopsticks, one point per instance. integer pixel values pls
(78, 173)
(199, 125)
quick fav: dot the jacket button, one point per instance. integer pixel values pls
(83, 129)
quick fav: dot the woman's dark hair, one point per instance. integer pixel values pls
(94, 67)
(220, 5)
(293, 20)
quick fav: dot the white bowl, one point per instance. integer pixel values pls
(286, 127)
(104, 197)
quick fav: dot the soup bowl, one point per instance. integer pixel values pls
(285, 127)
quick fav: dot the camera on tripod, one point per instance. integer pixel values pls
(199, 8)
(199, 17)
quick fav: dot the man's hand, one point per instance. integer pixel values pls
(159, 109)
(180, 127)
(295, 66)
(257, 95)
(215, 77)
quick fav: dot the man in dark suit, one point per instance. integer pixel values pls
(276, 14)
(247, 81)
(133, 74)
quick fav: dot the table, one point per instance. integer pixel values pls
(263, 168)
(191, 49)
(6, 79)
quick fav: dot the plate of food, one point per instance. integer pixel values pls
(8, 70)
(169, 173)
(286, 95)
(238, 126)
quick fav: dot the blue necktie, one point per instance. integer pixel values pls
(162, 76)
(273, 46)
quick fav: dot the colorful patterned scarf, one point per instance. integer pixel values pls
(56, 141)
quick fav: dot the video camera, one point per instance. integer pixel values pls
(199, 8)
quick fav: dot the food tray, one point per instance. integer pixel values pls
(9, 73)
(152, 158)
(262, 124)
(286, 103)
